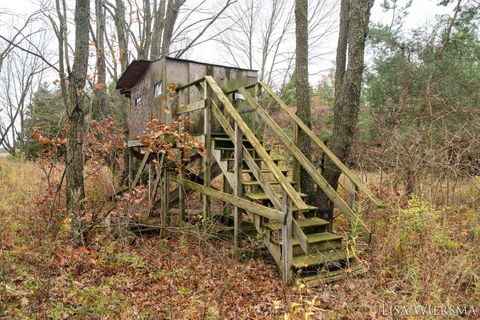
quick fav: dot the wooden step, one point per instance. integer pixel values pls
(226, 138)
(302, 223)
(263, 170)
(229, 148)
(276, 159)
(256, 183)
(263, 196)
(319, 259)
(318, 238)
(309, 208)
(331, 276)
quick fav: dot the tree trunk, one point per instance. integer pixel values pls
(303, 90)
(101, 86)
(354, 18)
(158, 23)
(75, 111)
(173, 10)
(121, 27)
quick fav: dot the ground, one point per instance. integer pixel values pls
(421, 255)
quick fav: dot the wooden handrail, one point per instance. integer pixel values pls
(247, 87)
(307, 164)
(190, 84)
(262, 153)
(267, 188)
(345, 170)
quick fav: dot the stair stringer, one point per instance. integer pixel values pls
(261, 178)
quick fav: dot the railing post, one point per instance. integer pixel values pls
(131, 164)
(238, 161)
(287, 253)
(296, 164)
(181, 195)
(207, 131)
(150, 185)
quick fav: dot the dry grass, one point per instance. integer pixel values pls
(420, 254)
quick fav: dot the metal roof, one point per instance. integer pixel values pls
(135, 70)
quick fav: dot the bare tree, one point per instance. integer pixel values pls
(261, 33)
(18, 81)
(16, 37)
(23, 59)
(146, 29)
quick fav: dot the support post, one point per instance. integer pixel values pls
(226, 189)
(165, 203)
(287, 252)
(296, 164)
(181, 194)
(238, 161)
(131, 164)
(151, 196)
(181, 197)
(207, 131)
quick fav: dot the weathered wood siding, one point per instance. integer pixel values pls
(179, 72)
(139, 113)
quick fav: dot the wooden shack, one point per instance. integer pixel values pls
(148, 86)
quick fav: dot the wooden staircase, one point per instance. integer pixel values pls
(325, 253)
(264, 190)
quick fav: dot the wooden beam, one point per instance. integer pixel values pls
(233, 200)
(191, 107)
(308, 166)
(256, 171)
(345, 170)
(134, 143)
(287, 251)
(190, 84)
(263, 181)
(207, 158)
(131, 164)
(140, 169)
(217, 156)
(237, 169)
(296, 165)
(276, 172)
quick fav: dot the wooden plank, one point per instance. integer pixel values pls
(207, 158)
(165, 193)
(217, 156)
(254, 207)
(256, 183)
(296, 165)
(131, 164)
(150, 185)
(232, 112)
(260, 196)
(309, 167)
(237, 169)
(254, 168)
(257, 172)
(287, 250)
(318, 259)
(191, 107)
(140, 169)
(134, 143)
(345, 170)
(190, 84)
